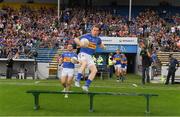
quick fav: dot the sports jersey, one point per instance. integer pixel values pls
(93, 42)
(117, 58)
(124, 60)
(67, 59)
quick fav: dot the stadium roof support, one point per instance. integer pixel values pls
(130, 8)
(58, 9)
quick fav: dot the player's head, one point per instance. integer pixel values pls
(110, 54)
(123, 55)
(70, 47)
(95, 31)
(118, 51)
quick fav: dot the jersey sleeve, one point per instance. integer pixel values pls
(62, 56)
(75, 55)
(83, 36)
(99, 41)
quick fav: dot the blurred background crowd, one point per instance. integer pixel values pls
(26, 28)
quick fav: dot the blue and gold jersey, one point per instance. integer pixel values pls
(124, 62)
(93, 43)
(117, 58)
(66, 56)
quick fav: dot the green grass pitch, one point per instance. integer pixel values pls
(15, 101)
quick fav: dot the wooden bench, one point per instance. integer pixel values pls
(91, 95)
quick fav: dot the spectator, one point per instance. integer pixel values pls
(146, 62)
(9, 71)
(173, 66)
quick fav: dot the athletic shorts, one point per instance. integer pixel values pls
(86, 57)
(124, 68)
(67, 72)
(118, 66)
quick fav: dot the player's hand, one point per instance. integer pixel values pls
(81, 44)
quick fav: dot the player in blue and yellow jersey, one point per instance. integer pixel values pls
(67, 68)
(123, 66)
(85, 55)
(117, 65)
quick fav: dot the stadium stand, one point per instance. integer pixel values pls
(24, 28)
(53, 65)
(164, 57)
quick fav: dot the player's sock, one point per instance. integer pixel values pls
(79, 76)
(88, 82)
(122, 78)
(117, 78)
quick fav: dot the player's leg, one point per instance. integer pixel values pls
(83, 64)
(68, 85)
(23, 76)
(63, 78)
(93, 71)
(120, 71)
(123, 73)
(19, 75)
(69, 81)
(116, 72)
(80, 73)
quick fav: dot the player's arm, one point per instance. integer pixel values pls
(148, 53)
(125, 62)
(102, 46)
(60, 60)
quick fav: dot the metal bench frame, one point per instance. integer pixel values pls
(91, 95)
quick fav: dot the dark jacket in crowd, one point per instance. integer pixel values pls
(9, 70)
(10, 63)
(173, 63)
(146, 60)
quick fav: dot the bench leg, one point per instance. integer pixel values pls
(91, 103)
(36, 101)
(147, 104)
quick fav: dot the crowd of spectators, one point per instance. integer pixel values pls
(148, 26)
(27, 28)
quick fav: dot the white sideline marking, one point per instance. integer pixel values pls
(95, 85)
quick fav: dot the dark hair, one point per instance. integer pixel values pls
(97, 26)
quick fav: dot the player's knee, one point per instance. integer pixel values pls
(94, 71)
(83, 65)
